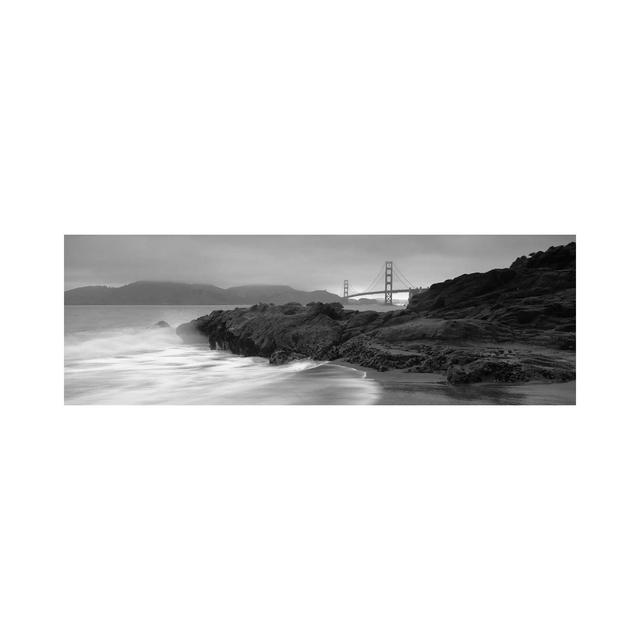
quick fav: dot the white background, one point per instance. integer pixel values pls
(319, 117)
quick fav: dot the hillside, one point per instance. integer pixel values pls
(536, 292)
(177, 293)
(278, 294)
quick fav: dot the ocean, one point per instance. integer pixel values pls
(116, 355)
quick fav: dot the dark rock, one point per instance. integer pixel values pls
(511, 369)
(162, 323)
(283, 357)
(264, 329)
(538, 291)
(330, 309)
(484, 370)
(563, 257)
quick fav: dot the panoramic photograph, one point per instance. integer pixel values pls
(316, 320)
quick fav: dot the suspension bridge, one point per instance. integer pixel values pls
(385, 277)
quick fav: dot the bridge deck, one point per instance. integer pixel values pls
(371, 293)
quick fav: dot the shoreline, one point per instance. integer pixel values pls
(400, 387)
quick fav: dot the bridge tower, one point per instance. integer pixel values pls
(388, 283)
(345, 289)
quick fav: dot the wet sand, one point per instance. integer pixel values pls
(400, 387)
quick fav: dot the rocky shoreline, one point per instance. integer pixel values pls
(507, 325)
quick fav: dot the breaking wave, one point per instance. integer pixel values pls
(142, 365)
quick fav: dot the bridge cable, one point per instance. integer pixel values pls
(399, 277)
(402, 277)
(370, 287)
(407, 281)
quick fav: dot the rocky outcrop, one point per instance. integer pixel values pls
(289, 330)
(536, 292)
(512, 369)
(507, 325)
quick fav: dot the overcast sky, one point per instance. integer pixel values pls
(303, 262)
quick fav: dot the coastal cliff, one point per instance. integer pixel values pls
(506, 325)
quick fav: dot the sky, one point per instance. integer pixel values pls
(303, 262)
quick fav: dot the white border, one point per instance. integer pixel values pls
(378, 522)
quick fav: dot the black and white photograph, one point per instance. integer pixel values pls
(270, 320)
(319, 320)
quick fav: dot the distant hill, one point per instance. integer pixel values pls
(278, 294)
(178, 293)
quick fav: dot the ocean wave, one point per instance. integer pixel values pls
(90, 344)
(153, 366)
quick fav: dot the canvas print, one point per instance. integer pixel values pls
(327, 319)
